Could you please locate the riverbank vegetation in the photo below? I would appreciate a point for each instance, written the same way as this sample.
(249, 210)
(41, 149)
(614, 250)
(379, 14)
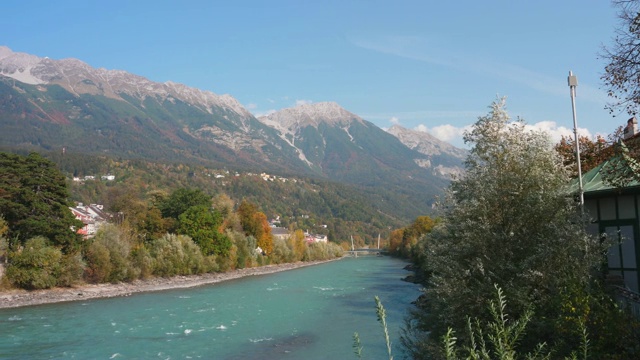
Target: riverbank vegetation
(182, 232)
(509, 222)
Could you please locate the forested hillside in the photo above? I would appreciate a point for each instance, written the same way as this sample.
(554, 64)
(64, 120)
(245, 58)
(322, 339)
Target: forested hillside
(301, 203)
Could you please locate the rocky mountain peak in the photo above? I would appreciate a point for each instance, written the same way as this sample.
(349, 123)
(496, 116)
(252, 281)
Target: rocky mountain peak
(80, 78)
(424, 142)
(310, 114)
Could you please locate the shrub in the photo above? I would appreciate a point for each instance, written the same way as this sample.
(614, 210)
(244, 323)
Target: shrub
(98, 263)
(509, 220)
(141, 261)
(176, 255)
(245, 249)
(281, 253)
(71, 270)
(35, 266)
(108, 256)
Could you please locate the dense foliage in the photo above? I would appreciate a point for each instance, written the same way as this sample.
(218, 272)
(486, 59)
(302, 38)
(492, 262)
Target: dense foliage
(34, 201)
(301, 203)
(592, 152)
(154, 232)
(509, 222)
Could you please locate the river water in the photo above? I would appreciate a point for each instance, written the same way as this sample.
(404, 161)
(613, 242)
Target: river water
(306, 313)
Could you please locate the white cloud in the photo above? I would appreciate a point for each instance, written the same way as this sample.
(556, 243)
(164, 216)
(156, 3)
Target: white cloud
(454, 134)
(251, 106)
(556, 132)
(303, 102)
(394, 120)
(449, 133)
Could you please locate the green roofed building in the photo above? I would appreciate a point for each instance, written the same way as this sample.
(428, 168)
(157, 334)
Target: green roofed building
(615, 212)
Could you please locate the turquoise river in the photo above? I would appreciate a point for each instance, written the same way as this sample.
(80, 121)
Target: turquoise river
(306, 313)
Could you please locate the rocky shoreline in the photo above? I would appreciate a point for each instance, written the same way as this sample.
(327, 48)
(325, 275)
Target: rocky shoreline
(20, 298)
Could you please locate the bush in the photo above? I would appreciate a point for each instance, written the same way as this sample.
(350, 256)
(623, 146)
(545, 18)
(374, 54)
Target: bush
(176, 255)
(509, 220)
(281, 253)
(35, 266)
(98, 263)
(71, 270)
(141, 261)
(323, 251)
(108, 256)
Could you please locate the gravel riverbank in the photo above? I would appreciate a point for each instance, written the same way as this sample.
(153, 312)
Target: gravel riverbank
(19, 298)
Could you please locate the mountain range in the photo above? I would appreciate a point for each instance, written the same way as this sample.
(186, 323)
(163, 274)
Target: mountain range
(48, 104)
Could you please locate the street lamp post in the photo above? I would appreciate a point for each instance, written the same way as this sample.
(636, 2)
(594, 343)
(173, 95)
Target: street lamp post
(573, 83)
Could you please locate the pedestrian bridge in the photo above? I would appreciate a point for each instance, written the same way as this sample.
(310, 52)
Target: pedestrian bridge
(364, 252)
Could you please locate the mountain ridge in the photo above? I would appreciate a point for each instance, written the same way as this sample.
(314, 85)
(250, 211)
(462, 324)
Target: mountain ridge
(444, 158)
(47, 104)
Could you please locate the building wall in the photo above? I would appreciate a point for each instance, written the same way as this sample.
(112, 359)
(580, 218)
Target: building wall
(615, 218)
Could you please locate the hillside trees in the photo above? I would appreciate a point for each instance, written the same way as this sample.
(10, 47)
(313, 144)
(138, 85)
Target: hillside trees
(34, 201)
(508, 222)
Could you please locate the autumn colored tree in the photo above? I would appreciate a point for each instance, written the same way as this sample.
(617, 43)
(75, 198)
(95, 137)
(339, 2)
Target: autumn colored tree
(592, 152)
(263, 235)
(297, 244)
(395, 240)
(402, 241)
(254, 223)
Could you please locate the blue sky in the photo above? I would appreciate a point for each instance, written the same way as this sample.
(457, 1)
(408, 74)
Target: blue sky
(429, 65)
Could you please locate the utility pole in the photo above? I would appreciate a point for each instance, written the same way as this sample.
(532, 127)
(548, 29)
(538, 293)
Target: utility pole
(573, 83)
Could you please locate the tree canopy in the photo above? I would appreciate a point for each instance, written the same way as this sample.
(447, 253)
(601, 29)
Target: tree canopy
(509, 222)
(201, 223)
(34, 201)
(182, 199)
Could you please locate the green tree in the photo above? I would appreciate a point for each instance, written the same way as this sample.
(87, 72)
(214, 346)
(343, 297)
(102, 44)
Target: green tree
(508, 221)
(182, 199)
(34, 200)
(202, 224)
